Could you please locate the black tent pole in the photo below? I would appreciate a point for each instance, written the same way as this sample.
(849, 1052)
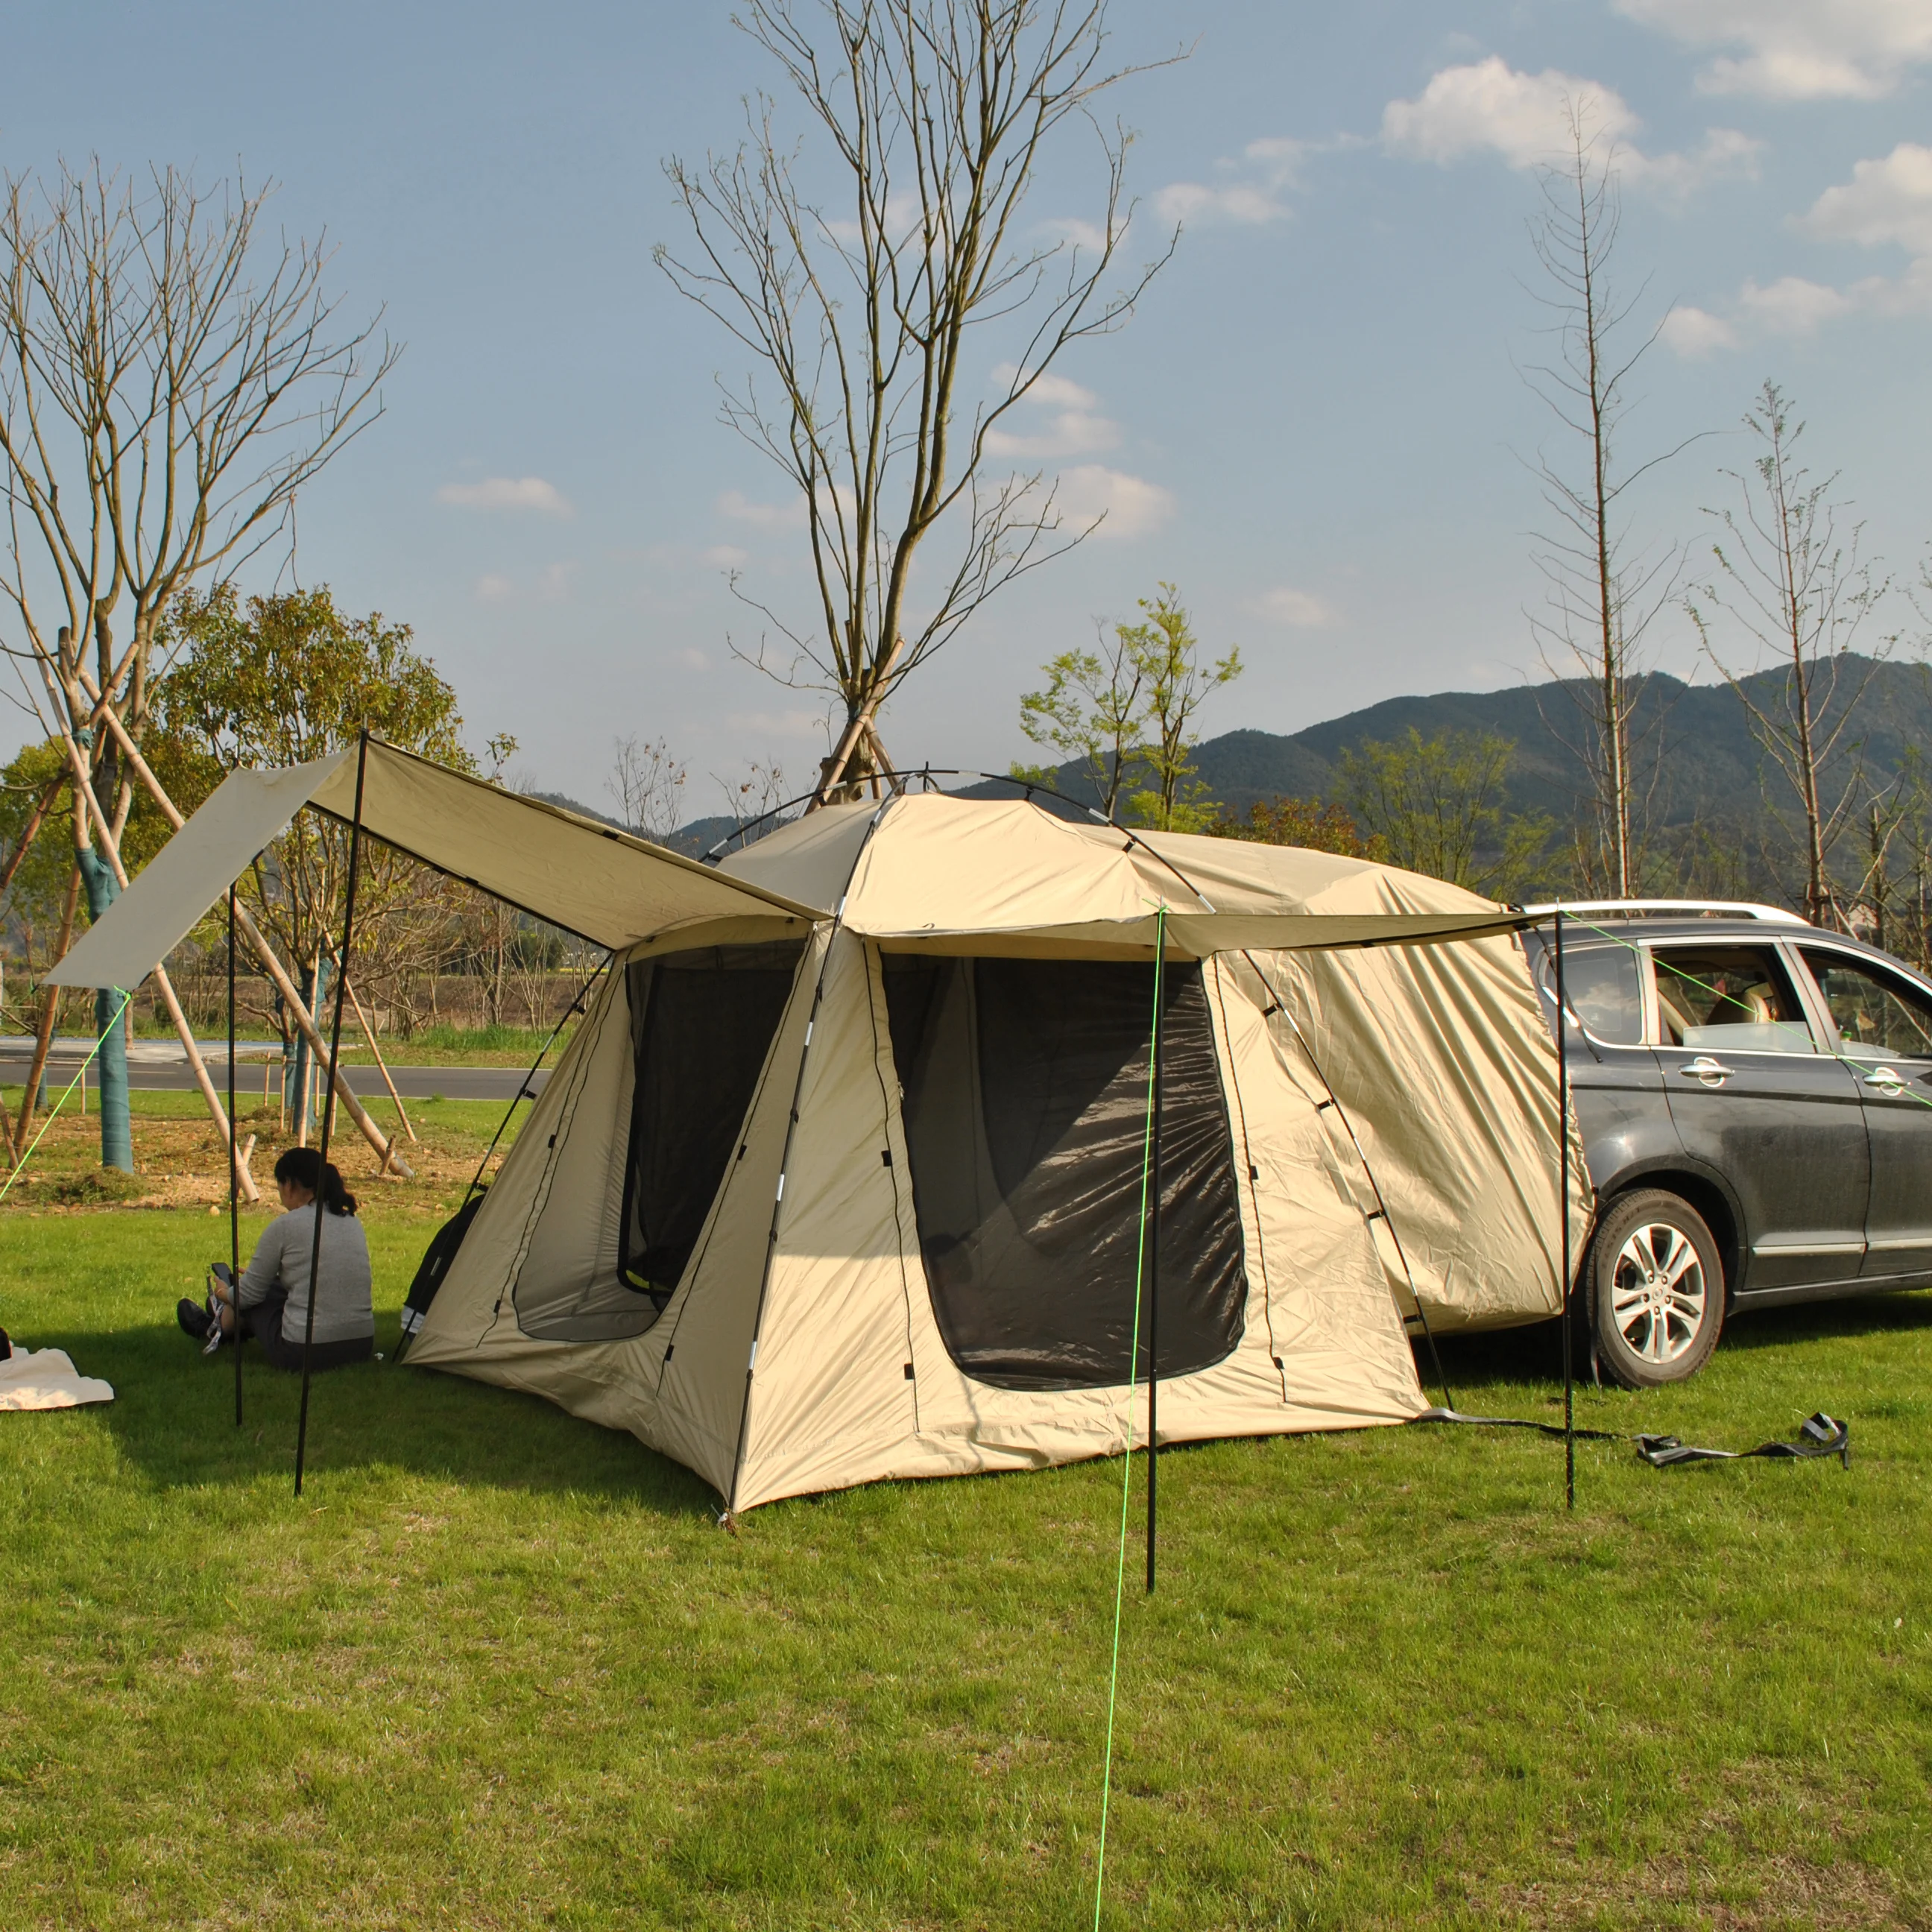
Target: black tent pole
(234, 1173)
(328, 1102)
(1563, 1170)
(1153, 1255)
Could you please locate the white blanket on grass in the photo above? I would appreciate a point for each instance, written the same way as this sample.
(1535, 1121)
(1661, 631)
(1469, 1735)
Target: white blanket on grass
(46, 1378)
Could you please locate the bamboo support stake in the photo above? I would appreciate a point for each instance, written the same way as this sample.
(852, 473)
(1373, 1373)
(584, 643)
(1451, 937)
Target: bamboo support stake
(50, 1017)
(382, 1065)
(244, 920)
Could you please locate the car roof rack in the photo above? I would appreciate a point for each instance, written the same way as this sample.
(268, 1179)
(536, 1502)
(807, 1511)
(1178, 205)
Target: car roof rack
(1673, 909)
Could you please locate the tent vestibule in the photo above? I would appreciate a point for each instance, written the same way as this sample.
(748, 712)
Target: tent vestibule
(803, 1212)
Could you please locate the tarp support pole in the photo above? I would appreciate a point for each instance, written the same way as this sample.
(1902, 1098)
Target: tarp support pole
(234, 1177)
(329, 1113)
(1563, 1172)
(1154, 1045)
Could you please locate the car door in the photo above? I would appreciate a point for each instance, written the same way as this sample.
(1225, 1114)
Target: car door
(1754, 1096)
(1884, 1027)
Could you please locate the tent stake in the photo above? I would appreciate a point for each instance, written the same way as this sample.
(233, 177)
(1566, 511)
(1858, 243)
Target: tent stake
(234, 1175)
(1153, 1255)
(1563, 1170)
(329, 1113)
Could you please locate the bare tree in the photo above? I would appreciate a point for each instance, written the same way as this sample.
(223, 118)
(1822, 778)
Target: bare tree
(1603, 594)
(169, 378)
(1786, 579)
(647, 784)
(931, 116)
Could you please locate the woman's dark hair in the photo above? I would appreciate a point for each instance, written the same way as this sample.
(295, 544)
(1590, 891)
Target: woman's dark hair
(304, 1166)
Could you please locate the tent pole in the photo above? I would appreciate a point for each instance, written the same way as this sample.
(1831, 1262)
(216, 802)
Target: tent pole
(329, 1113)
(1563, 1170)
(1153, 1255)
(234, 1172)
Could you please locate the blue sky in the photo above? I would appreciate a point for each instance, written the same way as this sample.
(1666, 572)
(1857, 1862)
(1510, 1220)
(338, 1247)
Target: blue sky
(1315, 424)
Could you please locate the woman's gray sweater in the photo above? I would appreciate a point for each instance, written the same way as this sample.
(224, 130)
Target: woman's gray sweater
(342, 1309)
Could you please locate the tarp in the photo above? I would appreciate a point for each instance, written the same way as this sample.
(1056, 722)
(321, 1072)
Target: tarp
(590, 879)
(46, 1378)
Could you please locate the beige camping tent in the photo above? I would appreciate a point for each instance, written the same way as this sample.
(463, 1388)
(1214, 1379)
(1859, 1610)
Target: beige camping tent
(840, 1176)
(808, 1205)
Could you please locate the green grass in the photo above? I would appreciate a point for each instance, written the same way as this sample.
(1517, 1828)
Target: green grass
(500, 1668)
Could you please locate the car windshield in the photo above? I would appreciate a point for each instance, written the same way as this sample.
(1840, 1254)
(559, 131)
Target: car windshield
(1734, 999)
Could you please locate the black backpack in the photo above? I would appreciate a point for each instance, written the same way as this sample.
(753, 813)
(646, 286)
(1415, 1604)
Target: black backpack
(437, 1258)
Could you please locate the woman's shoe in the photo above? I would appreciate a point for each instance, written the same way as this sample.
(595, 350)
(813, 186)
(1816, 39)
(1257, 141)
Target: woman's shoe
(195, 1320)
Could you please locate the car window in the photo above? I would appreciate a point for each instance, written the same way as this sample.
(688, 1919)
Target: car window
(1878, 1017)
(1604, 991)
(1732, 999)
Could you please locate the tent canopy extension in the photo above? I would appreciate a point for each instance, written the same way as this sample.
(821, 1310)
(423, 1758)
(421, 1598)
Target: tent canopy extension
(839, 1177)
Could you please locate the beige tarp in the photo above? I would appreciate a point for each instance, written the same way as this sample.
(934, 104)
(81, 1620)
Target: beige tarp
(590, 879)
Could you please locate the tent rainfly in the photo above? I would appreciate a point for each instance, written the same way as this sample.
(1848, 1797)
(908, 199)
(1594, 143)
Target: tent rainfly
(839, 1178)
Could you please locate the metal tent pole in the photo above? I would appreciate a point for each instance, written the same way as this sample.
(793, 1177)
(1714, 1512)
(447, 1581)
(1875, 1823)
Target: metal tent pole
(234, 1173)
(329, 1113)
(1153, 1258)
(1563, 1171)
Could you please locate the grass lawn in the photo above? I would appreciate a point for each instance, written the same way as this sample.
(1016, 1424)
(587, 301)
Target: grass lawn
(499, 1668)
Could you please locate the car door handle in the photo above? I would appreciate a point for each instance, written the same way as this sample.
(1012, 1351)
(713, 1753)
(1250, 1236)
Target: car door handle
(1885, 1080)
(1712, 1072)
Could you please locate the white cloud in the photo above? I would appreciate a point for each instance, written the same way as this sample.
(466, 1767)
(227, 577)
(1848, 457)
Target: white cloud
(725, 556)
(494, 590)
(1797, 49)
(1300, 609)
(691, 661)
(1487, 104)
(1886, 202)
(1488, 107)
(1252, 192)
(1791, 305)
(735, 504)
(554, 586)
(507, 493)
(1132, 507)
(1078, 430)
(1695, 333)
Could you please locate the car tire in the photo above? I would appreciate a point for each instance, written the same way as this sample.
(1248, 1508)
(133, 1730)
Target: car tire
(1656, 1289)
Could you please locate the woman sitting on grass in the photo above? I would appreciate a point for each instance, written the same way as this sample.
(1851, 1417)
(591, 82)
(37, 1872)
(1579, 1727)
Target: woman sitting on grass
(274, 1293)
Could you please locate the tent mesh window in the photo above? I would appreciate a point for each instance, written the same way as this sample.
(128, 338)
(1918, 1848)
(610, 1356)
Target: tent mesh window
(1024, 1085)
(702, 1023)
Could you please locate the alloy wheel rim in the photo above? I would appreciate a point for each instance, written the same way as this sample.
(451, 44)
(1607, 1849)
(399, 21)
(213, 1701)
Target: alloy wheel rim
(1658, 1293)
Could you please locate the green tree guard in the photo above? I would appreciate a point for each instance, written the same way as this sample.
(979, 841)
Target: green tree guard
(117, 1136)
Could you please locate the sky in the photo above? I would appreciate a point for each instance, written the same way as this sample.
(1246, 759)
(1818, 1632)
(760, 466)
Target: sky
(1316, 424)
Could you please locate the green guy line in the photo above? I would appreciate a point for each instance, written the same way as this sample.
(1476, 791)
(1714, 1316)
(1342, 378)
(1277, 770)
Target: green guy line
(1127, 1462)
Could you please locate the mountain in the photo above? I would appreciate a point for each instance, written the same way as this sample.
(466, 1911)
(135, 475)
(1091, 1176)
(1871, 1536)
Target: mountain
(1709, 771)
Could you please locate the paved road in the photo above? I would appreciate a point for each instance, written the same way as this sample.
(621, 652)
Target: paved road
(161, 1066)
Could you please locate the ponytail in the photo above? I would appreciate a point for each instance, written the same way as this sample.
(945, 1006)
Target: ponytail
(306, 1169)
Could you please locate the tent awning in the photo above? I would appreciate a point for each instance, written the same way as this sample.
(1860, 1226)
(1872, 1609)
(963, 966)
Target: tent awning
(592, 880)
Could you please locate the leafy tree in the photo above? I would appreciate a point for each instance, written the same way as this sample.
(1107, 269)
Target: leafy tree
(1437, 806)
(1166, 654)
(1307, 823)
(1089, 709)
(279, 680)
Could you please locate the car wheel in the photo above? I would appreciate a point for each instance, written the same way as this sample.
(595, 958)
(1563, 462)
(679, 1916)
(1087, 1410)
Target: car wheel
(1658, 1289)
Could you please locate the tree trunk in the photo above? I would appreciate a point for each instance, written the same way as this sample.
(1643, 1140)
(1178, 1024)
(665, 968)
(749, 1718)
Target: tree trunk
(50, 1018)
(117, 1139)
